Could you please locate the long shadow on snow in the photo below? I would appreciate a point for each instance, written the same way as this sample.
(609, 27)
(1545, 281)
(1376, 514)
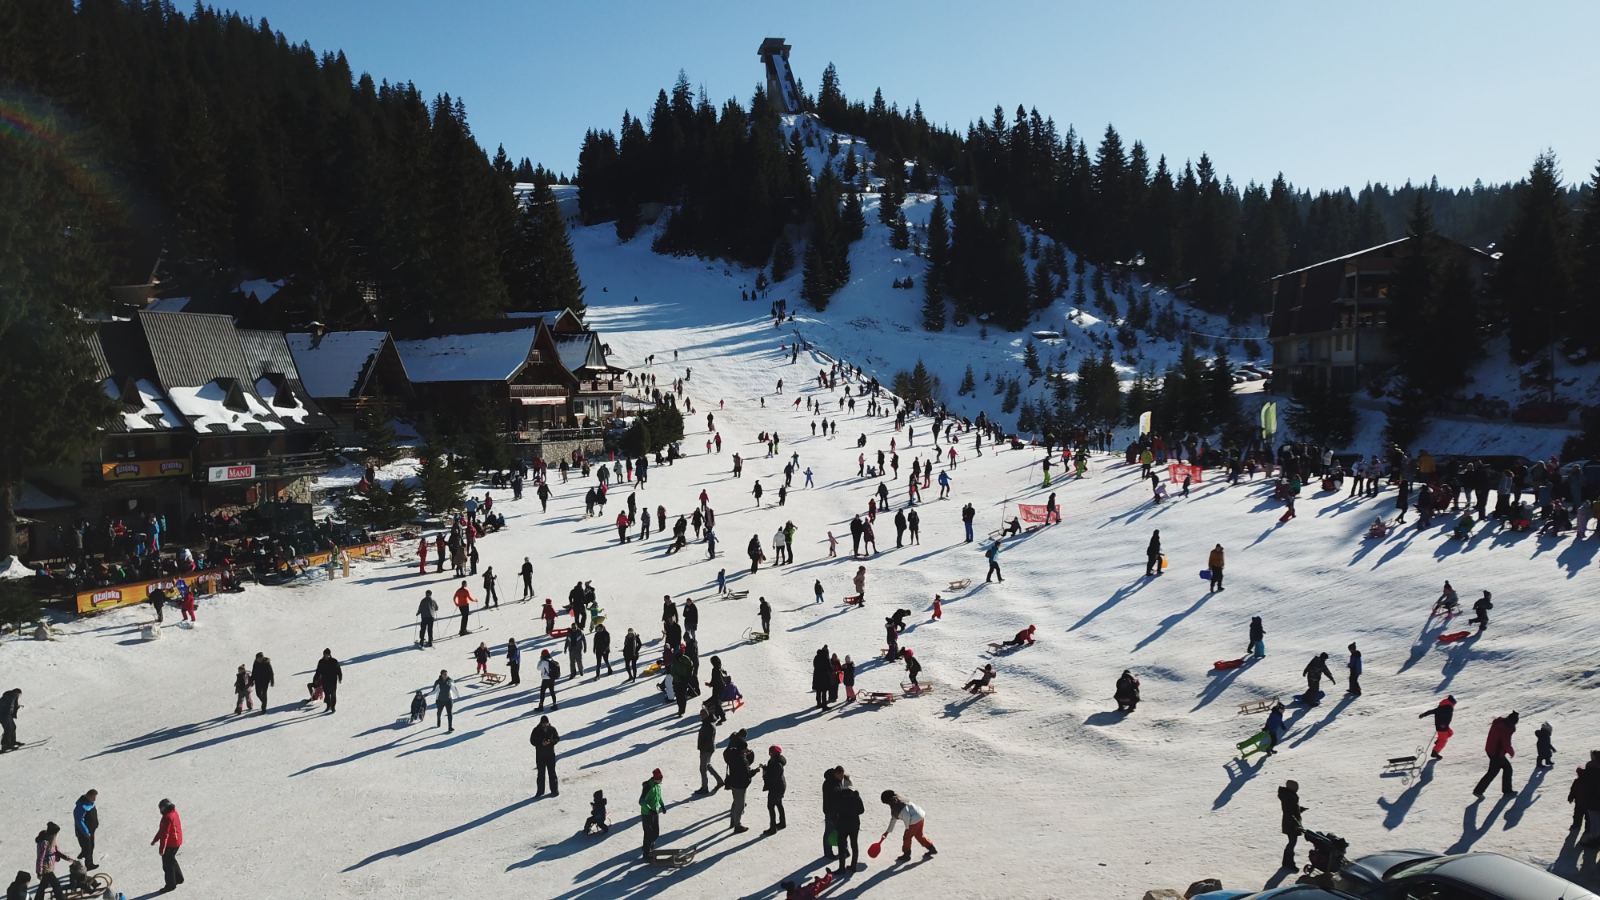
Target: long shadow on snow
(1395, 810)
(402, 740)
(1333, 713)
(1577, 555)
(430, 840)
(1169, 621)
(222, 739)
(1121, 594)
(162, 735)
(1525, 798)
(1220, 680)
(1426, 640)
(1471, 829)
(1240, 771)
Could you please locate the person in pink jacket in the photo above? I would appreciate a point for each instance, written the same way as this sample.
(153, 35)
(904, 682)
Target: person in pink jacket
(168, 839)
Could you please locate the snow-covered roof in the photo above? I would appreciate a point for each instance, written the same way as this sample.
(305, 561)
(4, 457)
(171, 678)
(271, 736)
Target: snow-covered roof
(573, 349)
(481, 356)
(13, 568)
(33, 498)
(260, 288)
(286, 404)
(334, 365)
(154, 412)
(207, 409)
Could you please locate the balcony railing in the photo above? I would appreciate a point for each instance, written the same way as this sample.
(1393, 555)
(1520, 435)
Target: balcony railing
(537, 390)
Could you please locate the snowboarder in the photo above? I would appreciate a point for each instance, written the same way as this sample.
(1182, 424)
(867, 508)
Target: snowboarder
(1499, 750)
(1442, 714)
(544, 738)
(902, 811)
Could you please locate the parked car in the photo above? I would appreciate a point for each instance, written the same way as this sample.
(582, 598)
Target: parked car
(1249, 374)
(1263, 371)
(1289, 892)
(1405, 874)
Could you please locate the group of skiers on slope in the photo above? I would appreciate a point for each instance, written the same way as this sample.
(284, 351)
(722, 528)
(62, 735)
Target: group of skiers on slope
(168, 841)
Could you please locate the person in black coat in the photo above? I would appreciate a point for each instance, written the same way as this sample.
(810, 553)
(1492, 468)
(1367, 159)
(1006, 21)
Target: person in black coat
(691, 615)
(544, 739)
(707, 744)
(1442, 715)
(1152, 554)
(602, 650)
(1316, 670)
(328, 675)
(846, 818)
(821, 677)
(736, 758)
(631, 645)
(261, 675)
(772, 781)
(1289, 801)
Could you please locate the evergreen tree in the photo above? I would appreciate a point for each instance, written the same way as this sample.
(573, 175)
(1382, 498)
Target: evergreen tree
(782, 260)
(1044, 291)
(440, 482)
(1534, 280)
(1224, 405)
(1585, 330)
(968, 385)
(1030, 359)
(543, 275)
(52, 276)
(1323, 416)
(900, 233)
(377, 438)
(851, 219)
(379, 507)
(1432, 311)
(1013, 393)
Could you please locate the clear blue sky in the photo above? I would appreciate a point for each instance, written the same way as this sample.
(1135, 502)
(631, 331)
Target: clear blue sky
(1329, 94)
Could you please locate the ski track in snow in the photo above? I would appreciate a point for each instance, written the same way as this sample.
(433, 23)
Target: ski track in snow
(1039, 790)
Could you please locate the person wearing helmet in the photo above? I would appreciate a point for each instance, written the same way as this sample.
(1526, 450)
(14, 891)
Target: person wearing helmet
(909, 813)
(773, 783)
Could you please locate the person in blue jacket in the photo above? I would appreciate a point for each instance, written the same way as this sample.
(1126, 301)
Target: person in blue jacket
(1275, 728)
(85, 822)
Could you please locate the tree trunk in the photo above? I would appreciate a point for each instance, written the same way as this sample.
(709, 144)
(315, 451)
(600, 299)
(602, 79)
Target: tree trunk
(8, 516)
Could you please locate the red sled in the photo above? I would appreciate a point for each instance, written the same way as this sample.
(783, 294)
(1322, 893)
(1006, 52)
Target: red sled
(1453, 636)
(852, 601)
(559, 632)
(1223, 665)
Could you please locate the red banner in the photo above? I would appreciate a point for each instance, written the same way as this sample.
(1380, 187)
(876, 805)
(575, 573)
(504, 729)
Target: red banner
(1176, 471)
(1032, 513)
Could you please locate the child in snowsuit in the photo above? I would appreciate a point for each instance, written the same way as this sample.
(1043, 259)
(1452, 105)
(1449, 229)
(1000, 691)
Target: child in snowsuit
(241, 691)
(1541, 737)
(597, 814)
(419, 706)
(482, 656)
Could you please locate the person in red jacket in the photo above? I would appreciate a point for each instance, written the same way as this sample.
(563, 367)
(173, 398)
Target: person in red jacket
(1499, 749)
(169, 837)
(463, 601)
(422, 556)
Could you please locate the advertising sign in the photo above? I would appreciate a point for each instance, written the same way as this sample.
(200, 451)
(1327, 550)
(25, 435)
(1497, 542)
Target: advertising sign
(136, 469)
(231, 473)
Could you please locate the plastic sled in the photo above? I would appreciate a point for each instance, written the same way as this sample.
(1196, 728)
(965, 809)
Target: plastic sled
(1303, 700)
(1205, 574)
(1259, 742)
(673, 858)
(1453, 636)
(853, 600)
(559, 632)
(1223, 665)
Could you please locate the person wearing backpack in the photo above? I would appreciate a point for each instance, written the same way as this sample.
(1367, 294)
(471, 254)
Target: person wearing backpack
(549, 671)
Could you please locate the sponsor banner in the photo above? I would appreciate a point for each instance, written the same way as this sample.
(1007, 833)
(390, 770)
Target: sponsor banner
(1176, 471)
(102, 599)
(136, 469)
(230, 473)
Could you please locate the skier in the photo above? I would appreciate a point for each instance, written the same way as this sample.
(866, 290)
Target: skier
(544, 738)
(444, 701)
(85, 822)
(1215, 562)
(1152, 554)
(1258, 634)
(490, 598)
(1442, 714)
(1289, 801)
(1499, 750)
(1127, 692)
(328, 675)
(772, 781)
(902, 811)
(463, 601)
(168, 840)
(651, 806)
(425, 613)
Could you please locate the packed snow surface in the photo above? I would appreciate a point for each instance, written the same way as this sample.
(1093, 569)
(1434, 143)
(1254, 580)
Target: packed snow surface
(1039, 790)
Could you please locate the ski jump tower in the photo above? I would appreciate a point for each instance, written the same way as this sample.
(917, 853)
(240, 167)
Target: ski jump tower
(780, 80)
